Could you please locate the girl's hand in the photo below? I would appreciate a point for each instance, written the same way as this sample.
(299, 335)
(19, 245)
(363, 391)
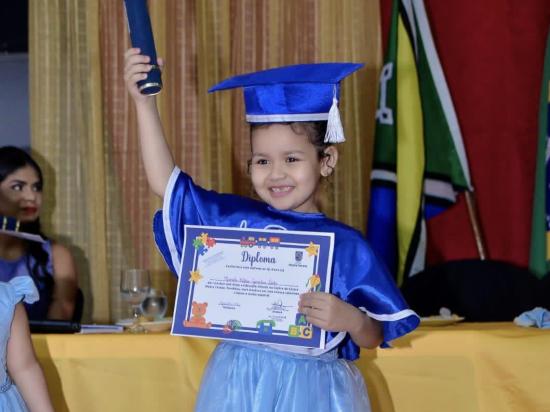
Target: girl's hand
(136, 67)
(330, 313)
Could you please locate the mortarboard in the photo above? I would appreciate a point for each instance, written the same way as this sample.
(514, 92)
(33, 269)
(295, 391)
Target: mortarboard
(10, 226)
(297, 93)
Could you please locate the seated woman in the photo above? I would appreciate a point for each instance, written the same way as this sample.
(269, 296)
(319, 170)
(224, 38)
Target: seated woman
(50, 264)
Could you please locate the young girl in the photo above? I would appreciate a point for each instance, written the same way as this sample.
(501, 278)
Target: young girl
(22, 384)
(292, 109)
(50, 264)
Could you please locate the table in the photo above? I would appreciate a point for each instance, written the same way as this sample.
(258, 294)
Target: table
(463, 367)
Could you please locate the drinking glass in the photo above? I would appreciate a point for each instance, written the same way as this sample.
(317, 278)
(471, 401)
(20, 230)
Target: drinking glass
(155, 304)
(134, 286)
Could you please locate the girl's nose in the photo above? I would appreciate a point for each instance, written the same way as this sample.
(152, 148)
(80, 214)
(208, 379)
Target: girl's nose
(277, 171)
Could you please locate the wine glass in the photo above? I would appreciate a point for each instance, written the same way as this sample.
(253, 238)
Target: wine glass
(155, 304)
(134, 286)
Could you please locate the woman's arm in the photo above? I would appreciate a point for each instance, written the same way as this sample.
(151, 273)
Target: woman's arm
(328, 312)
(156, 155)
(23, 367)
(65, 284)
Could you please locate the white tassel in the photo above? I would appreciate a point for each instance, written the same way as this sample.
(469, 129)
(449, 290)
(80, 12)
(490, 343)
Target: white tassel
(335, 131)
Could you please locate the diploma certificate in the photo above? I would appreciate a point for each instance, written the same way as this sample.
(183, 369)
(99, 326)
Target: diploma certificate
(244, 284)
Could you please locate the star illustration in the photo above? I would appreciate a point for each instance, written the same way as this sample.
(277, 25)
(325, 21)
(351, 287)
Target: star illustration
(312, 249)
(204, 238)
(314, 281)
(195, 276)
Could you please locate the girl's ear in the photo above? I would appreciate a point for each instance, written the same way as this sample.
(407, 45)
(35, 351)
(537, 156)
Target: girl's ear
(329, 160)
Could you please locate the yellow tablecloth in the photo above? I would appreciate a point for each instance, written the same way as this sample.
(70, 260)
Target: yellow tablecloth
(464, 367)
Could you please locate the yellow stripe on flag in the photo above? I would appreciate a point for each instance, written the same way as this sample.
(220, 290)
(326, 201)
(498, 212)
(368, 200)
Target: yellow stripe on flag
(410, 147)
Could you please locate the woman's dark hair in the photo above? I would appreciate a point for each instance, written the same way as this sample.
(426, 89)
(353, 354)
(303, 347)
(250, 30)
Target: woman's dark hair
(12, 159)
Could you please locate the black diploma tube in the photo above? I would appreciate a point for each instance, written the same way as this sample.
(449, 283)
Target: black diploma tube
(141, 34)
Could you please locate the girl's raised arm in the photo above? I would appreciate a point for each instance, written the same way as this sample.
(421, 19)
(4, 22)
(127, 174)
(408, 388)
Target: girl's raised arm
(23, 367)
(157, 157)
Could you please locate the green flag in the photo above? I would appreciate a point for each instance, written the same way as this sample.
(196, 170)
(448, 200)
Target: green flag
(419, 157)
(540, 232)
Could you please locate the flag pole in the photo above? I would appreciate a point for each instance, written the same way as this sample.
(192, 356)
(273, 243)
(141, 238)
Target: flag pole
(474, 220)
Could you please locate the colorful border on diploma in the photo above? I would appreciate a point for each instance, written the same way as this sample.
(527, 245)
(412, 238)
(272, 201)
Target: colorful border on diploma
(199, 239)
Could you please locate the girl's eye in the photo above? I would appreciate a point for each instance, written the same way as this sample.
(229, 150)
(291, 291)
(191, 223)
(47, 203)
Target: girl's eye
(291, 159)
(17, 187)
(261, 162)
(37, 187)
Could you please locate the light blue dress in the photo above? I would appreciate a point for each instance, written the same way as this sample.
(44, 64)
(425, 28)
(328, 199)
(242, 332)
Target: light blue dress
(269, 378)
(43, 280)
(18, 289)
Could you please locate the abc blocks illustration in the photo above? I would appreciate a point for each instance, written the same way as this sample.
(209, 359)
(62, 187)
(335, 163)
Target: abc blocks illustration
(297, 331)
(301, 319)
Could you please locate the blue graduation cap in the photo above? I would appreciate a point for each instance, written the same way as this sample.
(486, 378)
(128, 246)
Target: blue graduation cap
(10, 226)
(297, 93)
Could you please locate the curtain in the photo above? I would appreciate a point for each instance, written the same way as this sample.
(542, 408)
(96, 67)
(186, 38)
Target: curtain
(67, 137)
(84, 126)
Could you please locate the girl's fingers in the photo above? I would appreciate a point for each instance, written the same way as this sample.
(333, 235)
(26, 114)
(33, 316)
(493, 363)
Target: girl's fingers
(314, 316)
(138, 60)
(138, 72)
(137, 77)
(313, 312)
(138, 63)
(312, 299)
(131, 51)
(316, 313)
(315, 295)
(135, 59)
(138, 68)
(320, 323)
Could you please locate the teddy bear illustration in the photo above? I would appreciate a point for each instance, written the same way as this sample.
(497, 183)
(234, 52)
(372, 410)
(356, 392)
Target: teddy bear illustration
(197, 316)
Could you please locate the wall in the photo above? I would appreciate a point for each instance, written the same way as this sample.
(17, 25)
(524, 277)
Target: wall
(14, 100)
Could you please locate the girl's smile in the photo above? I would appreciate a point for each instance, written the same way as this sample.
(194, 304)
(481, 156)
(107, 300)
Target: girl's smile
(279, 191)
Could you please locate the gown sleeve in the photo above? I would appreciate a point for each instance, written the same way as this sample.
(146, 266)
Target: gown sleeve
(368, 286)
(184, 203)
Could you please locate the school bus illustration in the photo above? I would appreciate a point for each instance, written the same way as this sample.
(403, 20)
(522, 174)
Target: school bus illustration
(262, 242)
(248, 241)
(274, 241)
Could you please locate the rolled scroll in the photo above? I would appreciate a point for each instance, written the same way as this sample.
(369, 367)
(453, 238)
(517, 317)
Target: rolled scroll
(141, 35)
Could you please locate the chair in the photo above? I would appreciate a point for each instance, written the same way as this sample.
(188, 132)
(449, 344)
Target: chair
(78, 306)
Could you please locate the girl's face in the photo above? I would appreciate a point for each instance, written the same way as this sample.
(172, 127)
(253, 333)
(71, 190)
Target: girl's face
(21, 194)
(285, 168)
